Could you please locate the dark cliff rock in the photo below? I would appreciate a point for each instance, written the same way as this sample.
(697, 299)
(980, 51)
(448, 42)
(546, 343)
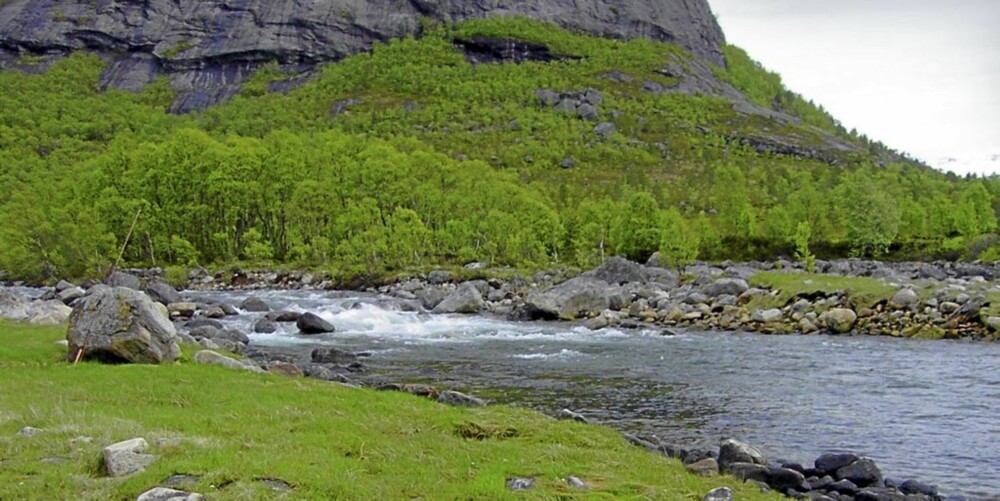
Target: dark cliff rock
(208, 47)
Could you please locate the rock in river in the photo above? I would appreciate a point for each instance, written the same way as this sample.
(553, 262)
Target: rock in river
(311, 323)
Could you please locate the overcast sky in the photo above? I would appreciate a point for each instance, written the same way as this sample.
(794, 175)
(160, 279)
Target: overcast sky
(922, 76)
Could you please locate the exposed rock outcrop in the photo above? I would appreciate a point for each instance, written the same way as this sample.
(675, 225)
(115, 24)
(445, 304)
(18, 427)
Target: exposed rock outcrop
(208, 48)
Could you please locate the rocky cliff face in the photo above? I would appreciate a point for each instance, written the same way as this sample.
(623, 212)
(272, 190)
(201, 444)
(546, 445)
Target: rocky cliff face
(207, 47)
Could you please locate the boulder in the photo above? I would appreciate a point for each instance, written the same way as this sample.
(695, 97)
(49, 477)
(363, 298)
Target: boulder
(905, 298)
(254, 304)
(49, 313)
(163, 293)
(67, 296)
(829, 463)
(575, 298)
(918, 487)
(167, 494)
(863, 473)
(618, 271)
(311, 323)
(460, 399)
(430, 297)
(208, 357)
(284, 316)
(839, 320)
(747, 471)
(781, 479)
(727, 286)
(466, 299)
(767, 316)
(120, 325)
(13, 306)
(733, 451)
(182, 309)
(265, 326)
(333, 356)
(126, 458)
(704, 468)
(124, 280)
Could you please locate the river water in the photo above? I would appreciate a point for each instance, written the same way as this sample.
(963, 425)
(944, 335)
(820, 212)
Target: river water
(922, 409)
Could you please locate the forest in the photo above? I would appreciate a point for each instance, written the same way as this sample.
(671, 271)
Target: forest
(410, 157)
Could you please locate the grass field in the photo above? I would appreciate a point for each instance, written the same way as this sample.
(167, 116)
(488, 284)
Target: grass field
(233, 429)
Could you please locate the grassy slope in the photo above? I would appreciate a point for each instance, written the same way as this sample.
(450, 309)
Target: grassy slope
(862, 292)
(325, 440)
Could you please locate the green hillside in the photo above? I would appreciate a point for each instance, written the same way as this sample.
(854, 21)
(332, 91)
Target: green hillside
(410, 156)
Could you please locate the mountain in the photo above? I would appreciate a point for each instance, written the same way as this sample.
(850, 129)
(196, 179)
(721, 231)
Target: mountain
(207, 48)
(381, 138)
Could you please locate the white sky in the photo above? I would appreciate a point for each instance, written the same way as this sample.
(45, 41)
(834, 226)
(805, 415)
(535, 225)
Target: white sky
(922, 76)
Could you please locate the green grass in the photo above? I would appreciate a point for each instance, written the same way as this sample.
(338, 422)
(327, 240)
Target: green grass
(861, 292)
(327, 441)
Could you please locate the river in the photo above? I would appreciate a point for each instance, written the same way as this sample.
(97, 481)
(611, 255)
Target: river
(922, 409)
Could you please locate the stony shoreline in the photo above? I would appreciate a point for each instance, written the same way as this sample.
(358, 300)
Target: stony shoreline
(940, 300)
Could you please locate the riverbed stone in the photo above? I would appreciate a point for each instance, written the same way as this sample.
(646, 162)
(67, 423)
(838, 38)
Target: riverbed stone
(163, 292)
(332, 356)
(576, 298)
(767, 316)
(733, 451)
(704, 468)
(124, 280)
(747, 471)
(784, 478)
(466, 299)
(829, 463)
(904, 298)
(167, 494)
(67, 296)
(182, 309)
(311, 323)
(457, 399)
(265, 326)
(863, 473)
(126, 458)
(727, 286)
(839, 320)
(254, 304)
(918, 487)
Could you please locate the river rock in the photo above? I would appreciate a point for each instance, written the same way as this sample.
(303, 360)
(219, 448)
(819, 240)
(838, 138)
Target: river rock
(163, 293)
(254, 304)
(839, 320)
(466, 299)
(182, 310)
(905, 298)
(167, 494)
(733, 451)
(618, 270)
(208, 357)
(829, 463)
(284, 316)
(333, 356)
(747, 471)
(126, 458)
(863, 473)
(125, 280)
(52, 312)
(575, 298)
(67, 296)
(265, 326)
(13, 306)
(311, 323)
(781, 479)
(843, 487)
(720, 494)
(727, 286)
(918, 487)
(767, 316)
(460, 399)
(704, 468)
(121, 325)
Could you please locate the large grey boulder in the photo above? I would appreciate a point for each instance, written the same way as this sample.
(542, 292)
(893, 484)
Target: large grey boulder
(311, 323)
(466, 299)
(119, 325)
(13, 306)
(208, 47)
(839, 320)
(727, 286)
(575, 298)
(126, 458)
(122, 279)
(52, 312)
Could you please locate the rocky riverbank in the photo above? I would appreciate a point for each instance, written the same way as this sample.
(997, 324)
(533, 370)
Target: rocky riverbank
(922, 300)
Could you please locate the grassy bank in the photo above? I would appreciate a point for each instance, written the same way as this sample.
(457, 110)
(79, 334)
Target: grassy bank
(233, 429)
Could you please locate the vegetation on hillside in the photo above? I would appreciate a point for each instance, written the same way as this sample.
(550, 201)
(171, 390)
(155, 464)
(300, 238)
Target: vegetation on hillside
(410, 156)
(229, 431)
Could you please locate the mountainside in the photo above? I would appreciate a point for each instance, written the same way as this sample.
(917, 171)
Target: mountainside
(502, 140)
(209, 47)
